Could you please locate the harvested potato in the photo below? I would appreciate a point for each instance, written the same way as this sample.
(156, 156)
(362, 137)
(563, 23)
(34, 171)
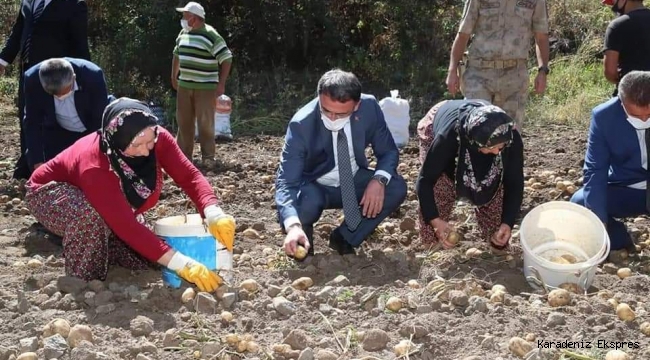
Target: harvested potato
(34, 264)
(188, 295)
(645, 328)
(300, 252)
(57, 326)
(617, 355)
(242, 346)
(559, 297)
(473, 253)
(232, 339)
(564, 259)
(497, 297)
(571, 189)
(531, 337)
(249, 285)
(570, 258)
(624, 312)
(252, 347)
(613, 302)
(394, 304)
(499, 288)
(519, 346)
(571, 287)
(226, 316)
(80, 333)
(605, 294)
(281, 348)
(413, 284)
(250, 233)
(404, 347)
(622, 272)
(453, 238)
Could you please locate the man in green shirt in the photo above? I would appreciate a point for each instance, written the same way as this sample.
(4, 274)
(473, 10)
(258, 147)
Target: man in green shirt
(200, 69)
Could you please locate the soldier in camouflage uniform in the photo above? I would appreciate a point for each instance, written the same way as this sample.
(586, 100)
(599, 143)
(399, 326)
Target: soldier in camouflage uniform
(496, 65)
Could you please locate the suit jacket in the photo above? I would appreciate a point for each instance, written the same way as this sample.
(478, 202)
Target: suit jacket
(61, 30)
(44, 136)
(308, 152)
(613, 155)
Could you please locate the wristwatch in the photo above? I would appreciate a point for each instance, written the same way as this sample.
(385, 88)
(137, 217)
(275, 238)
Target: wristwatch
(544, 68)
(382, 179)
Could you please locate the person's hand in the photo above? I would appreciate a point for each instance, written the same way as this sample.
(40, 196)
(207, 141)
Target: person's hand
(373, 199)
(221, 89)
(194, 272)
(295, 235)
(442, 230)
(221, 226)
(540, 82)
(2, 69)
(502, 236)
(174, 83)
(453, 81)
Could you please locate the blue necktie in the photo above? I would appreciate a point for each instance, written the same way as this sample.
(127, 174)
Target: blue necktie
(35, 16)
(348, 193)
(647, 151)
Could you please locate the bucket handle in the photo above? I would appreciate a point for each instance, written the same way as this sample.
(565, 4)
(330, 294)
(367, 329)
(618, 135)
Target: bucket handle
(189, 202)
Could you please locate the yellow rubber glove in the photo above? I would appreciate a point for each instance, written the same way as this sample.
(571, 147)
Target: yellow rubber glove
(195, 272)
(221, 226)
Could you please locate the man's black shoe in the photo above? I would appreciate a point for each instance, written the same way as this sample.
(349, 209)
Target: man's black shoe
(338, 243)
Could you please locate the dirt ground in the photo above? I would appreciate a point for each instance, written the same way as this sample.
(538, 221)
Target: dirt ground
(446, 306)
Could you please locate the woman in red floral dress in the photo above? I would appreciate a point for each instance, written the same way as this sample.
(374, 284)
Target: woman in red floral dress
(93, 195)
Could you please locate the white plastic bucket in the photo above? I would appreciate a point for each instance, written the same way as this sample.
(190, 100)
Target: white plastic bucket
(193, 239)
(558, 227)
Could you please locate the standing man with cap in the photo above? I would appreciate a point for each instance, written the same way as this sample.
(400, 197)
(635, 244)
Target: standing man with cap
(496, 68)
(44, 29)
(200, 69)
(627, 40)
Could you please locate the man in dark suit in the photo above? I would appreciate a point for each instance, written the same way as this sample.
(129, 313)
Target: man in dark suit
(64, 101)
(44, 29)
(323, 166)
(616, 162)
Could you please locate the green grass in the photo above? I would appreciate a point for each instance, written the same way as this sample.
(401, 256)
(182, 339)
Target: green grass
(8, 86)
(574, 87)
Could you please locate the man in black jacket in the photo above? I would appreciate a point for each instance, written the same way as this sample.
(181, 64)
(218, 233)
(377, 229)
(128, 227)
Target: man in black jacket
(44, 29)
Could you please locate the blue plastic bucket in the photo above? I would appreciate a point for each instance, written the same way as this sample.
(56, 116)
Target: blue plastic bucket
(190, 238)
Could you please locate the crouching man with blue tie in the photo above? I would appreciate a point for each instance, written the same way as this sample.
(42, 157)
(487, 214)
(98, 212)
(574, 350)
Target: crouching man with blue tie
(616, 162)
(323, 166)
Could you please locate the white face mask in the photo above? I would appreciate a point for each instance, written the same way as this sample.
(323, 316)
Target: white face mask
(185, 25)
(638, 123)
(334, 125)
(635, 121)
(63, 97)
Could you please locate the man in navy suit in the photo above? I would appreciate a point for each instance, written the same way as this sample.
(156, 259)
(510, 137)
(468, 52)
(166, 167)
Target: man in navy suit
(64, 101)
(43, 29)
(323, 166)
(616, 163)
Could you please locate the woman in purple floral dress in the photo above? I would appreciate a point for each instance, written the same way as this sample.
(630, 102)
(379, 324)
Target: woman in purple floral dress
(469, 149)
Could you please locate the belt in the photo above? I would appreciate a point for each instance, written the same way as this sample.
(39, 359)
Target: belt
(496, 64)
